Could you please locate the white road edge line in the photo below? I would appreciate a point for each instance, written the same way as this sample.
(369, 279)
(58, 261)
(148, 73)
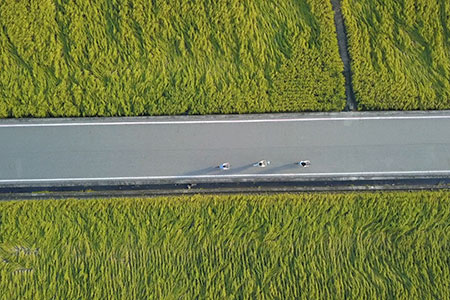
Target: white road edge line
(352, 174)
(222, 121)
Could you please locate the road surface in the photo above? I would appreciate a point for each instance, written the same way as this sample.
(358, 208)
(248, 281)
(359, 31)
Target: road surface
(340, 146)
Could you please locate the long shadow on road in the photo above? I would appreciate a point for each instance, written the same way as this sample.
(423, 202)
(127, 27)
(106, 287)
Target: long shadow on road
(217, 171)
(204, 171)
(241, 170)
(280, 169)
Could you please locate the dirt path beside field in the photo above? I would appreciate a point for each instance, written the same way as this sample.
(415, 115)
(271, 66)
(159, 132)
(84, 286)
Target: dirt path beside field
(343, 52)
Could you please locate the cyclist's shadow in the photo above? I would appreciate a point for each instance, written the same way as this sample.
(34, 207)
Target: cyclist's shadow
(205, 171)
(218, 171)
(276, 170)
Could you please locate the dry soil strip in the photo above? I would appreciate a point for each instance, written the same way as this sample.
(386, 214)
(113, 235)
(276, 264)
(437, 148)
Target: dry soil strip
(343, 52)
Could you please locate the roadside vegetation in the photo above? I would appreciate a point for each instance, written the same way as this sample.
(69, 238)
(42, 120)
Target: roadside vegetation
(286, 246)
(400, 51)
(139, 57)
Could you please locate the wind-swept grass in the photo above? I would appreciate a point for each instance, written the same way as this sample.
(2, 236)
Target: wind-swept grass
(304, 246)
(141, 57)
(400, 51)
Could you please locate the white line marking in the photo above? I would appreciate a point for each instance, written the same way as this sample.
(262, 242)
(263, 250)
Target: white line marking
(222, 121)
(343, 174)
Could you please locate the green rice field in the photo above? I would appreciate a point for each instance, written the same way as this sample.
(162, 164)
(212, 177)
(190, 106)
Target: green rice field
(139, 57)
(285, 246)
(400, 51)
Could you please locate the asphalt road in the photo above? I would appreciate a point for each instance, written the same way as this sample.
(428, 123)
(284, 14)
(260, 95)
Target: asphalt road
(340, 146)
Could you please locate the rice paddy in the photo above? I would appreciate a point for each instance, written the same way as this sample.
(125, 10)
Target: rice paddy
(400, 51)
(286, 246)
(138, 57)
(132, 58)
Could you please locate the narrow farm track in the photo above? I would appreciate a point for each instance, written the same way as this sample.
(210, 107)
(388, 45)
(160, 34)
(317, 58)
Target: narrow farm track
(343, 52)
(352, 147)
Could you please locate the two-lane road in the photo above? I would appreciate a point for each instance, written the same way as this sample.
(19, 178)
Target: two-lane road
(187, 149)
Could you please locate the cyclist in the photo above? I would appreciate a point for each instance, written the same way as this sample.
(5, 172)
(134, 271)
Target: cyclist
(262, 163)
(304, 163)
(225, 166)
